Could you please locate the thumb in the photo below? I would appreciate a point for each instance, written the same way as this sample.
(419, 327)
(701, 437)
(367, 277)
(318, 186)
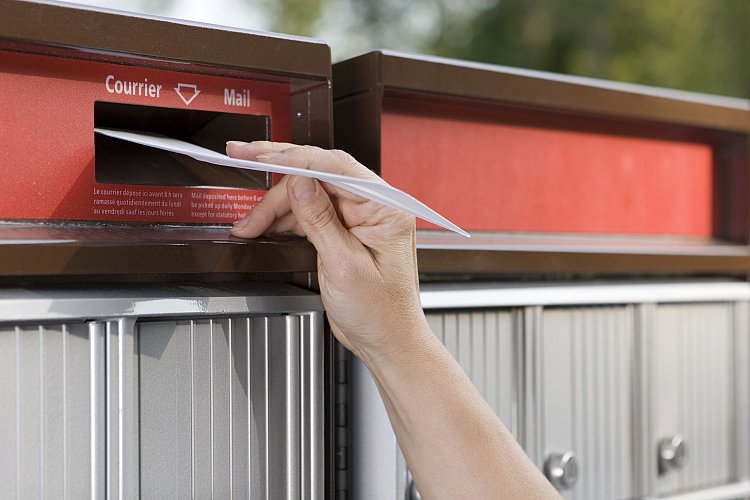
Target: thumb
(316, 216)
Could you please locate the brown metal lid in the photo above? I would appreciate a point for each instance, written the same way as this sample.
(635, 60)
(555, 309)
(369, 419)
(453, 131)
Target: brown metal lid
(435, 76)
(94, 29)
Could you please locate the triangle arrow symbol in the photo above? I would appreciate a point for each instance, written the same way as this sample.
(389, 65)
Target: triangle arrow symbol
(187, 92)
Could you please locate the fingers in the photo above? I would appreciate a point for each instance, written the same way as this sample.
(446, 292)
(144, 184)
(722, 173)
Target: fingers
(319, 221)
(309, 157)
(260, 219)
(250, 150)
(272, 214)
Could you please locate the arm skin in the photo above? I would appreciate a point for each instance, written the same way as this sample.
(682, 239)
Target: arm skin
(454, 444)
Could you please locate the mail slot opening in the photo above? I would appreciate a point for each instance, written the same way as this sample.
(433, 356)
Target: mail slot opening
(121, 162)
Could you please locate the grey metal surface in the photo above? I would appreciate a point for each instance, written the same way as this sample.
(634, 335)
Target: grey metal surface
(221, 408)
(47, 434)
(378, 469)
(583, 384)
(21, 305)
(693, 392)
(484, 344)
(485, 295)
(741, 349)
(588, 378)
(164, 407)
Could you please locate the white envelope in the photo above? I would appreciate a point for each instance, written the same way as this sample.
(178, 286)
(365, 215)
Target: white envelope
(380, 192)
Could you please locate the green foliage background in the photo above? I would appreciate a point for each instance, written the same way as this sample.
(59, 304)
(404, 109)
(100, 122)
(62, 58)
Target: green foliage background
(700, 45)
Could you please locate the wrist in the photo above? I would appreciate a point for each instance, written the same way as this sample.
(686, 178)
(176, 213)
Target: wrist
(403, 344)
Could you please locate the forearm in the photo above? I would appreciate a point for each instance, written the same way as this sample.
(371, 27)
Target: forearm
(456, 447)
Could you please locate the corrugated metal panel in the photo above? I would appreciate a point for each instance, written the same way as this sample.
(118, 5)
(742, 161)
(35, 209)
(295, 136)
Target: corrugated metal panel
(164, 409)
(222, 411)
(484, 344)
(584, 390)
(742, 389)
(693, 391)
(47, 433)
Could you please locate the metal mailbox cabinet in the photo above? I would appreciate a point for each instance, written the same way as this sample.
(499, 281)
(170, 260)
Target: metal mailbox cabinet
(485, 344)
(145, 352)
(700, 368)
(613, 220)
(180, 392)
(581, 398)
(573, 371)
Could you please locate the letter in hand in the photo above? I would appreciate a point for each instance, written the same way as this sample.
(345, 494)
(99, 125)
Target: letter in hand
(366, 251)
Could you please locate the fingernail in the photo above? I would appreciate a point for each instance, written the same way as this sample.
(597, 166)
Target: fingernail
(303, 189)
(236, 143)
(267, 156)
(240, 223)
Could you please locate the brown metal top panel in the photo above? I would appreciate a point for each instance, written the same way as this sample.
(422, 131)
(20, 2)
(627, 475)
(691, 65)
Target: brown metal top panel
(442, 253)
(394, 72)
(56, 24)
(68, 250)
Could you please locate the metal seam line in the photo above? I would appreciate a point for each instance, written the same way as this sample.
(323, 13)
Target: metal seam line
(192, 410)
(250, 395)
(108, 410)
(18, 412)
(266, 382)
(211, 397)
(41, 409)
(120, 411)
(65, 410)
(230, 333)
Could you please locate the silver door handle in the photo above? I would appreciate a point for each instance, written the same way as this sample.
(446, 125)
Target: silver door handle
(562, 470)
(672, 453)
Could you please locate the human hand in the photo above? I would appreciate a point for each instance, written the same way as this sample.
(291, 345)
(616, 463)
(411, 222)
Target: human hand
(367, 264)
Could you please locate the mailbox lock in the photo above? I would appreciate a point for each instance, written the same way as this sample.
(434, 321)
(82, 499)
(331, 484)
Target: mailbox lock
(672, 453)
(562, 470)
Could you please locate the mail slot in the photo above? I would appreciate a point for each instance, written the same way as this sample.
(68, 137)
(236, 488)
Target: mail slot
(58, 81)
(120, 162)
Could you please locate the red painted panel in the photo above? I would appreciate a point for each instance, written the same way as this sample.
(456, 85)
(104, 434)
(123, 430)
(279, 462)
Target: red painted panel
(504, 176)
(47, 141)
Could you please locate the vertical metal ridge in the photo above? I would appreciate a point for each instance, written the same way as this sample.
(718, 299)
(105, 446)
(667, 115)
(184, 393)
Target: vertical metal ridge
(645, 395)
(740, 407)
(64, 436)
(685, 417)
(211, 402)
(98, 408)
(108, 415)
(536, 385)
(120, 411)
(267, 403)
(517, 360)
(292, 406)
(18, 412)
(40, 331)
(250, 396)
(613, 430)
(304, 407)
(316, 407)
(577, 366)
(128, 408)
(192, 408)
(230, 370)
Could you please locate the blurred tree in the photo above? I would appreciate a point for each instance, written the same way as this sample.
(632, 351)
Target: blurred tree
(298, 17)
(696, 45)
